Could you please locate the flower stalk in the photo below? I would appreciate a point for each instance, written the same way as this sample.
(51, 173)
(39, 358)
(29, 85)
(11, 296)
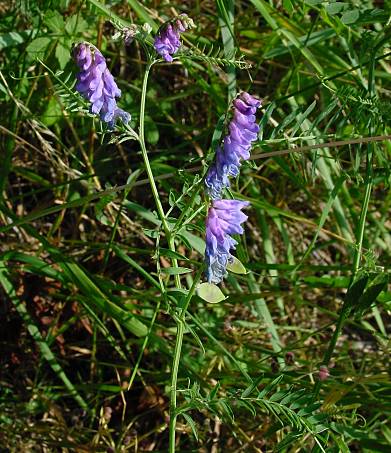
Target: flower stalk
(171, 245)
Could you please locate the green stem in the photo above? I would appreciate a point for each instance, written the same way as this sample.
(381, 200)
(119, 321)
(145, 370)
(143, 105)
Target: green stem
(147, 164)
(175, 363)
(159, 207)
(363, 216)
(171, 244)
(174, 380)
(179, 223)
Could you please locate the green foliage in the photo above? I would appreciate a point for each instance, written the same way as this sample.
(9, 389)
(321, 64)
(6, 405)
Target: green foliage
(110, 337)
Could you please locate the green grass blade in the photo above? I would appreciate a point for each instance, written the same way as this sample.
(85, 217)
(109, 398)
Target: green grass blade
(226, 21)
(143, 14)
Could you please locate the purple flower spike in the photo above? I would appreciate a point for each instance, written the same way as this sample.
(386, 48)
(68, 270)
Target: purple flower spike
(167, 41)
(96, 84)
(243, 130)
(224, 219)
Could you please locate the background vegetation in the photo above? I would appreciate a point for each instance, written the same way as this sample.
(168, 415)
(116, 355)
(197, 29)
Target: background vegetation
(296, 357)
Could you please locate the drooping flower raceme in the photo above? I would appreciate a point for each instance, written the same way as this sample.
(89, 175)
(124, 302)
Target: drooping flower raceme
(167, 41)
(236, 145)
(97, 85)
(224, 219)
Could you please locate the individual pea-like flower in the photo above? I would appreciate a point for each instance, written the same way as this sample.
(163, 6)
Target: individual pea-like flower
(224, 219)
(236, 145)
(167, 41)
(96, 84)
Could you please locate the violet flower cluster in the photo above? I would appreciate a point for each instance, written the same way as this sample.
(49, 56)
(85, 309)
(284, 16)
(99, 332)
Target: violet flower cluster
(96, 84)
(236, 145)
(167, 41)
(225, 217)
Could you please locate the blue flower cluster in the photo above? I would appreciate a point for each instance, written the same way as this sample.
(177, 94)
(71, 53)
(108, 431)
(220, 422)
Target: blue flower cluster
(97, 85)
(225, 216)
(167, 41)
(236, 145)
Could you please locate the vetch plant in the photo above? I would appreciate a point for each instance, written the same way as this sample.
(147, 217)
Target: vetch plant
(116, 247)
(225, 216)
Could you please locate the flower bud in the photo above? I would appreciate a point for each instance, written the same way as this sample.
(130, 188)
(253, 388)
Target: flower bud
(167, 41)
(323, 373)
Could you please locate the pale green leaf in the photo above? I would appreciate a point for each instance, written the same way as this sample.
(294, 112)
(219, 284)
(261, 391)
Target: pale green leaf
(210, 293)
(335, 8)
(350, 17)
(191, 423)
(236, 267)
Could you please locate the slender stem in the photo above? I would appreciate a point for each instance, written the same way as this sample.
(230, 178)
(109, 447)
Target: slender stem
(363, 216)
(178, 223)
(175, 362)
(174, 380)
(147, 164)
(369, 174)
(162, 216)
(171, 244)
(195, 214)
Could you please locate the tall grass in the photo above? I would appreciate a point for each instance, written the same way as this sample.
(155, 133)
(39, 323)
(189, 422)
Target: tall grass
(106, 342)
